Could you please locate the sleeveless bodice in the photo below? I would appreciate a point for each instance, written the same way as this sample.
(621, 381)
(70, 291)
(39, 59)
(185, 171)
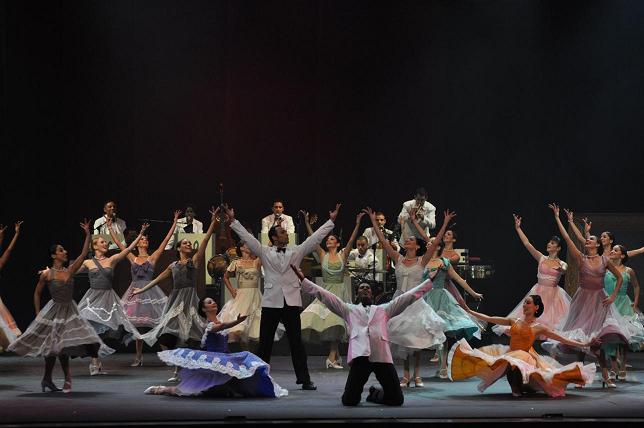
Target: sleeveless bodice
(99, 280)
(548, 276)
(216, 342)
(142, 272)
(590, 277)
(610, 281)
(183, 275)
(60, 291)
(522, 337)
(332, 272)
(441, 274)
(247, 277)
(407, 277)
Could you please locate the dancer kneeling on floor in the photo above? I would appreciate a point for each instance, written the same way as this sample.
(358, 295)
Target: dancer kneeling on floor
(214, 372)
(368, 344)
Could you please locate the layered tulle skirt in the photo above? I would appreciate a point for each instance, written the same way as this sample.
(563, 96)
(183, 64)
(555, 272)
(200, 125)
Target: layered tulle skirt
(635, 322)
(490, 363)
(59, 330)
(556, 304)
(103, 309)
(180, 318)
(204, 372)
(9, 331)
(319, 324)
(417, 327)
(145, 309)
(247, 302)
(458, 323)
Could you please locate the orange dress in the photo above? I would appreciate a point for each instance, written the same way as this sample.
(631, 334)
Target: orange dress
(490, 363)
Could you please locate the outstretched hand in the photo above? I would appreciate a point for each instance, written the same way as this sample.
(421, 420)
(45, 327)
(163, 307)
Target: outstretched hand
(177, 213)
(333, 214)
(229, 212)
(144, 227)
(371, 214)
(85, 226)
(449, 215)
(359, 217)
(241, 318)
(298, 272)
(587, 224)
(517, 221)
(555, 209)
(17, 226)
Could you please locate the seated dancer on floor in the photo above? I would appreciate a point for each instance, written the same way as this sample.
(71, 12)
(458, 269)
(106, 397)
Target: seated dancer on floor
(214, 372)
(549, 270)
(145, 310)
(8, 328)
(100, 305)
(369, 350)
(525, 370)
(59, 330)
(180, 322)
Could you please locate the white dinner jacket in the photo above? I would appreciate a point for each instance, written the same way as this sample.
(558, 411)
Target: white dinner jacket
(368, 333)
(287, 223)
(280, 282)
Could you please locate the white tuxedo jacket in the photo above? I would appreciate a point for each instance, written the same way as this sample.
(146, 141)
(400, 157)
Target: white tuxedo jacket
(280, 282)
(269, 221)
(368, 334)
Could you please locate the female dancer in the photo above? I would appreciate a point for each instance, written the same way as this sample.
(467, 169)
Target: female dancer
(144, 311)
(549, 271)
(448, 246)
(215, 372)
(607, 238)
(180, 322)
(418, 327)
(525, 370)
(8, 328)
(591, 314)
(101, 305)
(59, 330)
(626, 308)
(318, 323)
(247, 298)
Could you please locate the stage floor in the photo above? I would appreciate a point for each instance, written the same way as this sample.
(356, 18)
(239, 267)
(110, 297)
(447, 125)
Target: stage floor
(118, 397)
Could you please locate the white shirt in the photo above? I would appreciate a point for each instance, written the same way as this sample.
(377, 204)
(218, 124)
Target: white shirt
(372, 238)
(269, 221)
(367, 326)
(118, 226)
(428, 220)
(197, 227)
(366, 261)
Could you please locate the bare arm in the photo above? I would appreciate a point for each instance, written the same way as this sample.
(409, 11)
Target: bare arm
(120, 256)
(525, 241)
(486, 318)
(38, 291)
(311, 242)
(76, 264)
(224, 325)
(573, 226)
(7, 252)
(571, 245)
(393, 254)
(550, 334)
(163, 275)
(154, 256)
(352, 238)
(636, 288)
(318, 249)
(610, 299)
(460, 281)
(637, 252)
(117, 241)
(196, 259)
(449, 215)
(229, 285)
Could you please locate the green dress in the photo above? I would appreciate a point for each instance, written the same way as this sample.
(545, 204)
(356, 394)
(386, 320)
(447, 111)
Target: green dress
(319, 324)
(458, 324)
(623, 305)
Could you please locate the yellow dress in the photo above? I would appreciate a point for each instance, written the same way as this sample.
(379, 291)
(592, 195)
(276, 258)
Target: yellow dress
(490, 363)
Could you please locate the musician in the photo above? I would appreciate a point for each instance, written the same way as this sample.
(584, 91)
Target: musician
(425, 214)
(278, 218)
(118, 224)
(187, 224)
(364, 258)
(372, 238)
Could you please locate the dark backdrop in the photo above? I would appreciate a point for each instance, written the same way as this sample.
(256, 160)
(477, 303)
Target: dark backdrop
(494, 106)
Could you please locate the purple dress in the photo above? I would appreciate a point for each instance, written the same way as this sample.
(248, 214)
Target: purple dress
(587, 317)
(145, 309)
(214, 371)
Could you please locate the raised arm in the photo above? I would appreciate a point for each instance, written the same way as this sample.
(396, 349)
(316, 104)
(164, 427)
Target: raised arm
(575, 230)
(537, 255)
(121, 255)
(312, 241)
(637, 252)
(116, 240)
(486, 318)
(414, 220)
(163, 275)
(636, 289)
(42, 279)
(460, 281)
(196, 259)
(7, 252)
(449, 215)
(393, 254)
(2, 230)
(76, 264)
(318, 249)
(352, 238)
(251, 242)
(610, 299)
(572, 248)
(154, 256)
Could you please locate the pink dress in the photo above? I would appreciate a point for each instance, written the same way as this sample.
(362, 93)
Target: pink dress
(587, 317)
(556, 301)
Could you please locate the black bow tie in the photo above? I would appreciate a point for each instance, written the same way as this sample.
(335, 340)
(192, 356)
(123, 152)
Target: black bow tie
(361, 256)
(283, 250)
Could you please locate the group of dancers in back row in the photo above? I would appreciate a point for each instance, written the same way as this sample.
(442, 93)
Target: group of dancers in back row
(426, 312)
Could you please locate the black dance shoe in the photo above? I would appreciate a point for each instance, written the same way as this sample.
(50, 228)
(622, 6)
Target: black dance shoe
(309, 386)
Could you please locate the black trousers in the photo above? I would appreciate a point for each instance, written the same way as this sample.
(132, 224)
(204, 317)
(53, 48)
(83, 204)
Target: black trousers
(391, 394)
(290, 317)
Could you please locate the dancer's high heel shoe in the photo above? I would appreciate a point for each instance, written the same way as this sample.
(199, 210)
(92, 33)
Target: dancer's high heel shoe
(67, 387)
(332, 364)
(49, 384)
(608, 383)
(404, 382)
(138, 362)
(154, 390)
(418, 382)
(96, 369)
(442, 373)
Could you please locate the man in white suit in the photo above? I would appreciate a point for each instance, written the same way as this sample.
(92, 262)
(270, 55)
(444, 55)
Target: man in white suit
(425, 214)
(278, 218)
(282, 300)
(368, 344)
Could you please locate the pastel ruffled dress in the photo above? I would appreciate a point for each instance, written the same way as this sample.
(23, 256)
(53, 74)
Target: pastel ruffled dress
(623, 304)
(490, 363)
(145, 309)
(9, 331)
(216, 372)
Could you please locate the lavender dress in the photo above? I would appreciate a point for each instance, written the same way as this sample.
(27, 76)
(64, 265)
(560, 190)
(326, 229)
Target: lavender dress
(214, 371)
(587, 317)
(145, 309)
